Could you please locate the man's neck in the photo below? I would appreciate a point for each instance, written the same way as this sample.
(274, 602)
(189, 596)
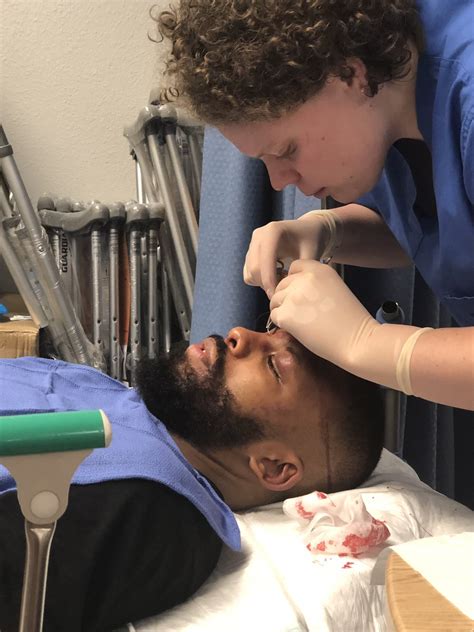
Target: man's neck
(228, 471)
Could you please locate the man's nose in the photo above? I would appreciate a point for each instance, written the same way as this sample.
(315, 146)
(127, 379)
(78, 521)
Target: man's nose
(240, 341)
(280, 175)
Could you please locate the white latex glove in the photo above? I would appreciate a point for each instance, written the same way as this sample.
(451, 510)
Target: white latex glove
(315, 305)
(311, 236)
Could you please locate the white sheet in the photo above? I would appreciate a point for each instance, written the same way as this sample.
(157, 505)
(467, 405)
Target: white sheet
(277, 585)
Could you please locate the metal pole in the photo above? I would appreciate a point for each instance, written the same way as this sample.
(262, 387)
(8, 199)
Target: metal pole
(189, 212)
(166, 312)
(117, 216)
(172, 216)
(21, 280)
(38, 541)
(156, 217)
(196, 161)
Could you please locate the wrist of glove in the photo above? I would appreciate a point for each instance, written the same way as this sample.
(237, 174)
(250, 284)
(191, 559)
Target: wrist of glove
(333, 232)
(382, 353)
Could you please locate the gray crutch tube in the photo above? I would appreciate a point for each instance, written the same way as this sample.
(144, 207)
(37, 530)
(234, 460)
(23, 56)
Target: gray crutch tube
(4, 203)
(141, 198)
(67, 333)
(156, 266)
(135, 134)
(157, 215)
(165, 306)
(100, 215)
(65, 258)
(196, 160)
(117, 217)
(137, 217)
(168, 117)
(22, 282)
(46, 202)
(193, 131)
(157, 146)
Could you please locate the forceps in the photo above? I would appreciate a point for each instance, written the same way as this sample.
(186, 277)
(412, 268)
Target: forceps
(270, 326)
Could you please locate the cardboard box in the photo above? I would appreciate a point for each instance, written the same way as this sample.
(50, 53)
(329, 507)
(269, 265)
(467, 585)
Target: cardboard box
(17, 337)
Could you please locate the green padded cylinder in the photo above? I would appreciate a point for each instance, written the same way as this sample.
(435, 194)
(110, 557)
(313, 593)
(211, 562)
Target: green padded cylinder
(52, 432)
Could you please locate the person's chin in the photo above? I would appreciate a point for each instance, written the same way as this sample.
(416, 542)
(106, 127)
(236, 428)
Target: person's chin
(346, 196)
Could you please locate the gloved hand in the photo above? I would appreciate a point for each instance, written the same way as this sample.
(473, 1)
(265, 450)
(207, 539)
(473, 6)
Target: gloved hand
(315, 305)
(312, 236)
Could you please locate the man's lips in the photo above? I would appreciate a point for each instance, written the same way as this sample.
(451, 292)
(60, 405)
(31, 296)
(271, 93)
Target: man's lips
(202, 354)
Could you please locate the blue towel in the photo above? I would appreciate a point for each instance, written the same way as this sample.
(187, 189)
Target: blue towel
(141, 447)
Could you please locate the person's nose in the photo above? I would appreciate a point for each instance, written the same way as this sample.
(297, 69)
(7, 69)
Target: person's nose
(280, 175)
(241, 342)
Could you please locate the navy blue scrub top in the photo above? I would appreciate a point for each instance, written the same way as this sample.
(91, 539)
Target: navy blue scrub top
(441, 245)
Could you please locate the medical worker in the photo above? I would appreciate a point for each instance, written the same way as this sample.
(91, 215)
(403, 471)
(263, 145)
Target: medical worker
(370, 102)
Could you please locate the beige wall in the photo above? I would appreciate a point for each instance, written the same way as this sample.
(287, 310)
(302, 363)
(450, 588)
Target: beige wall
(72, 73)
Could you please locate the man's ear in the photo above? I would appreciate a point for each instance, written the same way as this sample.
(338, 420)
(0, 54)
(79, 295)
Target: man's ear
(275, 465)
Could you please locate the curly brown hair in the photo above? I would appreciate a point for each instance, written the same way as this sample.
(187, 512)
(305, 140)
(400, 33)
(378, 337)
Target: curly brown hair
(244, 60)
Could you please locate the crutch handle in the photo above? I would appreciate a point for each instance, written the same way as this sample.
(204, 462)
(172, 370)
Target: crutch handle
(46, 202)
(156, 211)
(117, 212)
(42, 451)
(136, 214)
(77, 222)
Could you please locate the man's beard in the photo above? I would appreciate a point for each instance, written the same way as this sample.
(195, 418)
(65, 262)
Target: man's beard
(199, 409)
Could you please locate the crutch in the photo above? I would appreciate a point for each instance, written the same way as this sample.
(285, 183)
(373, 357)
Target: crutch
(147, 142)
(61, 245)
(145, 272)
(5, 207)
(156, 132)
(175, 274)
(116, 218)
(169, 122)
(157, 215)
(163, 335)
(136, 221)
(42, 452)
(391, 312)
(47, 202)
(193, 132)
(22, 282)
(66, 332)
(91, 218)
(165, 304)
(99, 216)
(15, 261)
